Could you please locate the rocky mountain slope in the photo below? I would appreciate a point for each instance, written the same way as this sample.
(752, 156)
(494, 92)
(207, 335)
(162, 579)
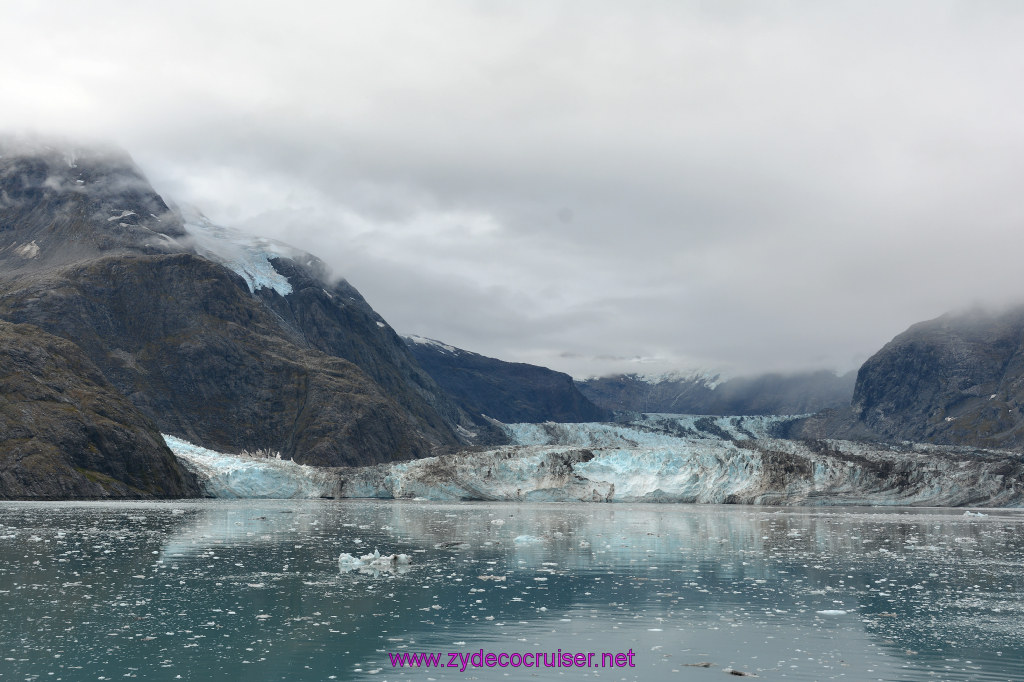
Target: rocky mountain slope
(230, 341)
(506, 391)
(66, 432)
(955, 379)
(799, 393)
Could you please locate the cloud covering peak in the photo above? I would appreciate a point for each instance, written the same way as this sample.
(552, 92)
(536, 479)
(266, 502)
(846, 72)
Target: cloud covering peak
(588, 186)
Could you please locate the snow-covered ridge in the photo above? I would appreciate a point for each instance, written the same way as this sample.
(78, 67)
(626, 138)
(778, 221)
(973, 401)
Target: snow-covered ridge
(424, 341)
(245, 254)
(709, 378)
(662, 458)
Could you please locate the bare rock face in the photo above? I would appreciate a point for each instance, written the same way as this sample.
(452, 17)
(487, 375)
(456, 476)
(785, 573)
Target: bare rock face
(956, 379)
(66, 432)
(184, 340)
(507, 391)
(60, 204)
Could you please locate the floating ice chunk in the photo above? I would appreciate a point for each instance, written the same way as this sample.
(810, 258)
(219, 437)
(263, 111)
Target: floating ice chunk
(347, 562)
(375, 562)
(832, 612)
(527, 539)
(970, 513)
(497, 522)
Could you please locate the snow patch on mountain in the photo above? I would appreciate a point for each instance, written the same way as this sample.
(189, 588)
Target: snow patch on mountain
(424, 341)
(245, 254)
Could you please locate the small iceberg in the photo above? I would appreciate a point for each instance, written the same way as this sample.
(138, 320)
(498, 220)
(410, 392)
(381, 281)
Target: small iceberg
(375, 562)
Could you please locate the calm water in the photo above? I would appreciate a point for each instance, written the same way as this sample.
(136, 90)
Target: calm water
(252, 590)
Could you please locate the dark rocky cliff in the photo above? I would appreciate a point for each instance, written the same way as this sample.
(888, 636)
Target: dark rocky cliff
(955, 379)
(66, 432)
(184, 340)
(507, 391)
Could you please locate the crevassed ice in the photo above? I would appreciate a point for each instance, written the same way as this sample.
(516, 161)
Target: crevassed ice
(239, 476)
(662, 458)
(247, 255)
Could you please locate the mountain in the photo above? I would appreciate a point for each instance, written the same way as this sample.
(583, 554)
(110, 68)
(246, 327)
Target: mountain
(956, 379)
(507, 391)
(229, 341)
(66, 432)
(800, 393)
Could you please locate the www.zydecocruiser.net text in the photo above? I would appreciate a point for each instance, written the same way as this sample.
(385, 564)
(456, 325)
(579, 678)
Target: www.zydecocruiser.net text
(516, 659)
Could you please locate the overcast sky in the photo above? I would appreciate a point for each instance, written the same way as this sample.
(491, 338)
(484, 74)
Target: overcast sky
(592, 186)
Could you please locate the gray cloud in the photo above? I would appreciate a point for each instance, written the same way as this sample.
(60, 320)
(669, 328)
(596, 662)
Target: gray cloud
(582, 185)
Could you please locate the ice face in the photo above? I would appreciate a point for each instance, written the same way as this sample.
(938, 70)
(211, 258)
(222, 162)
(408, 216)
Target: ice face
(685, 458)
(239, 476)
(661, 458)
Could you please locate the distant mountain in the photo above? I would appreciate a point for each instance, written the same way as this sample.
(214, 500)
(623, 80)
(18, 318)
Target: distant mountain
(766, 394)
(228, 341)
(507, 391)
(956, 379)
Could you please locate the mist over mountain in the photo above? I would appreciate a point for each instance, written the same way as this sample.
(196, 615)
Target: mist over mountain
(958, 378)
(765, 394)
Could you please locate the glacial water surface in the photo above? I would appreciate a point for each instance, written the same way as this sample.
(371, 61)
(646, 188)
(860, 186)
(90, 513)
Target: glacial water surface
(253, 590)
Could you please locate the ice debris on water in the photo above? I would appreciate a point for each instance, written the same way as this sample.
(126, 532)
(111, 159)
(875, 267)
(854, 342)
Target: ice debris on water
(527, 539)
(373, 562)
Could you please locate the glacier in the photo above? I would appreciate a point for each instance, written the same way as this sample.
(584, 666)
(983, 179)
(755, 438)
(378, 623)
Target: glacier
(248, 256)
(248, 477)
(659, 458)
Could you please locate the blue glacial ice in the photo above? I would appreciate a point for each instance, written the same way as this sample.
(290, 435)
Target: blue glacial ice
(249, 477)
(661, 458)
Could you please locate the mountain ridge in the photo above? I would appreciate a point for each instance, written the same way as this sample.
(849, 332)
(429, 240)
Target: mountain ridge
(194, 338)
(708, 393)
(506, 391)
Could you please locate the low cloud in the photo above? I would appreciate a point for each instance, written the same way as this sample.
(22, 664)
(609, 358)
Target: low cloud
(730, 186)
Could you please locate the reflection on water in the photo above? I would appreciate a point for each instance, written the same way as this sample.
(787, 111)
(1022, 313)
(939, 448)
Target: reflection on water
(253, 590)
